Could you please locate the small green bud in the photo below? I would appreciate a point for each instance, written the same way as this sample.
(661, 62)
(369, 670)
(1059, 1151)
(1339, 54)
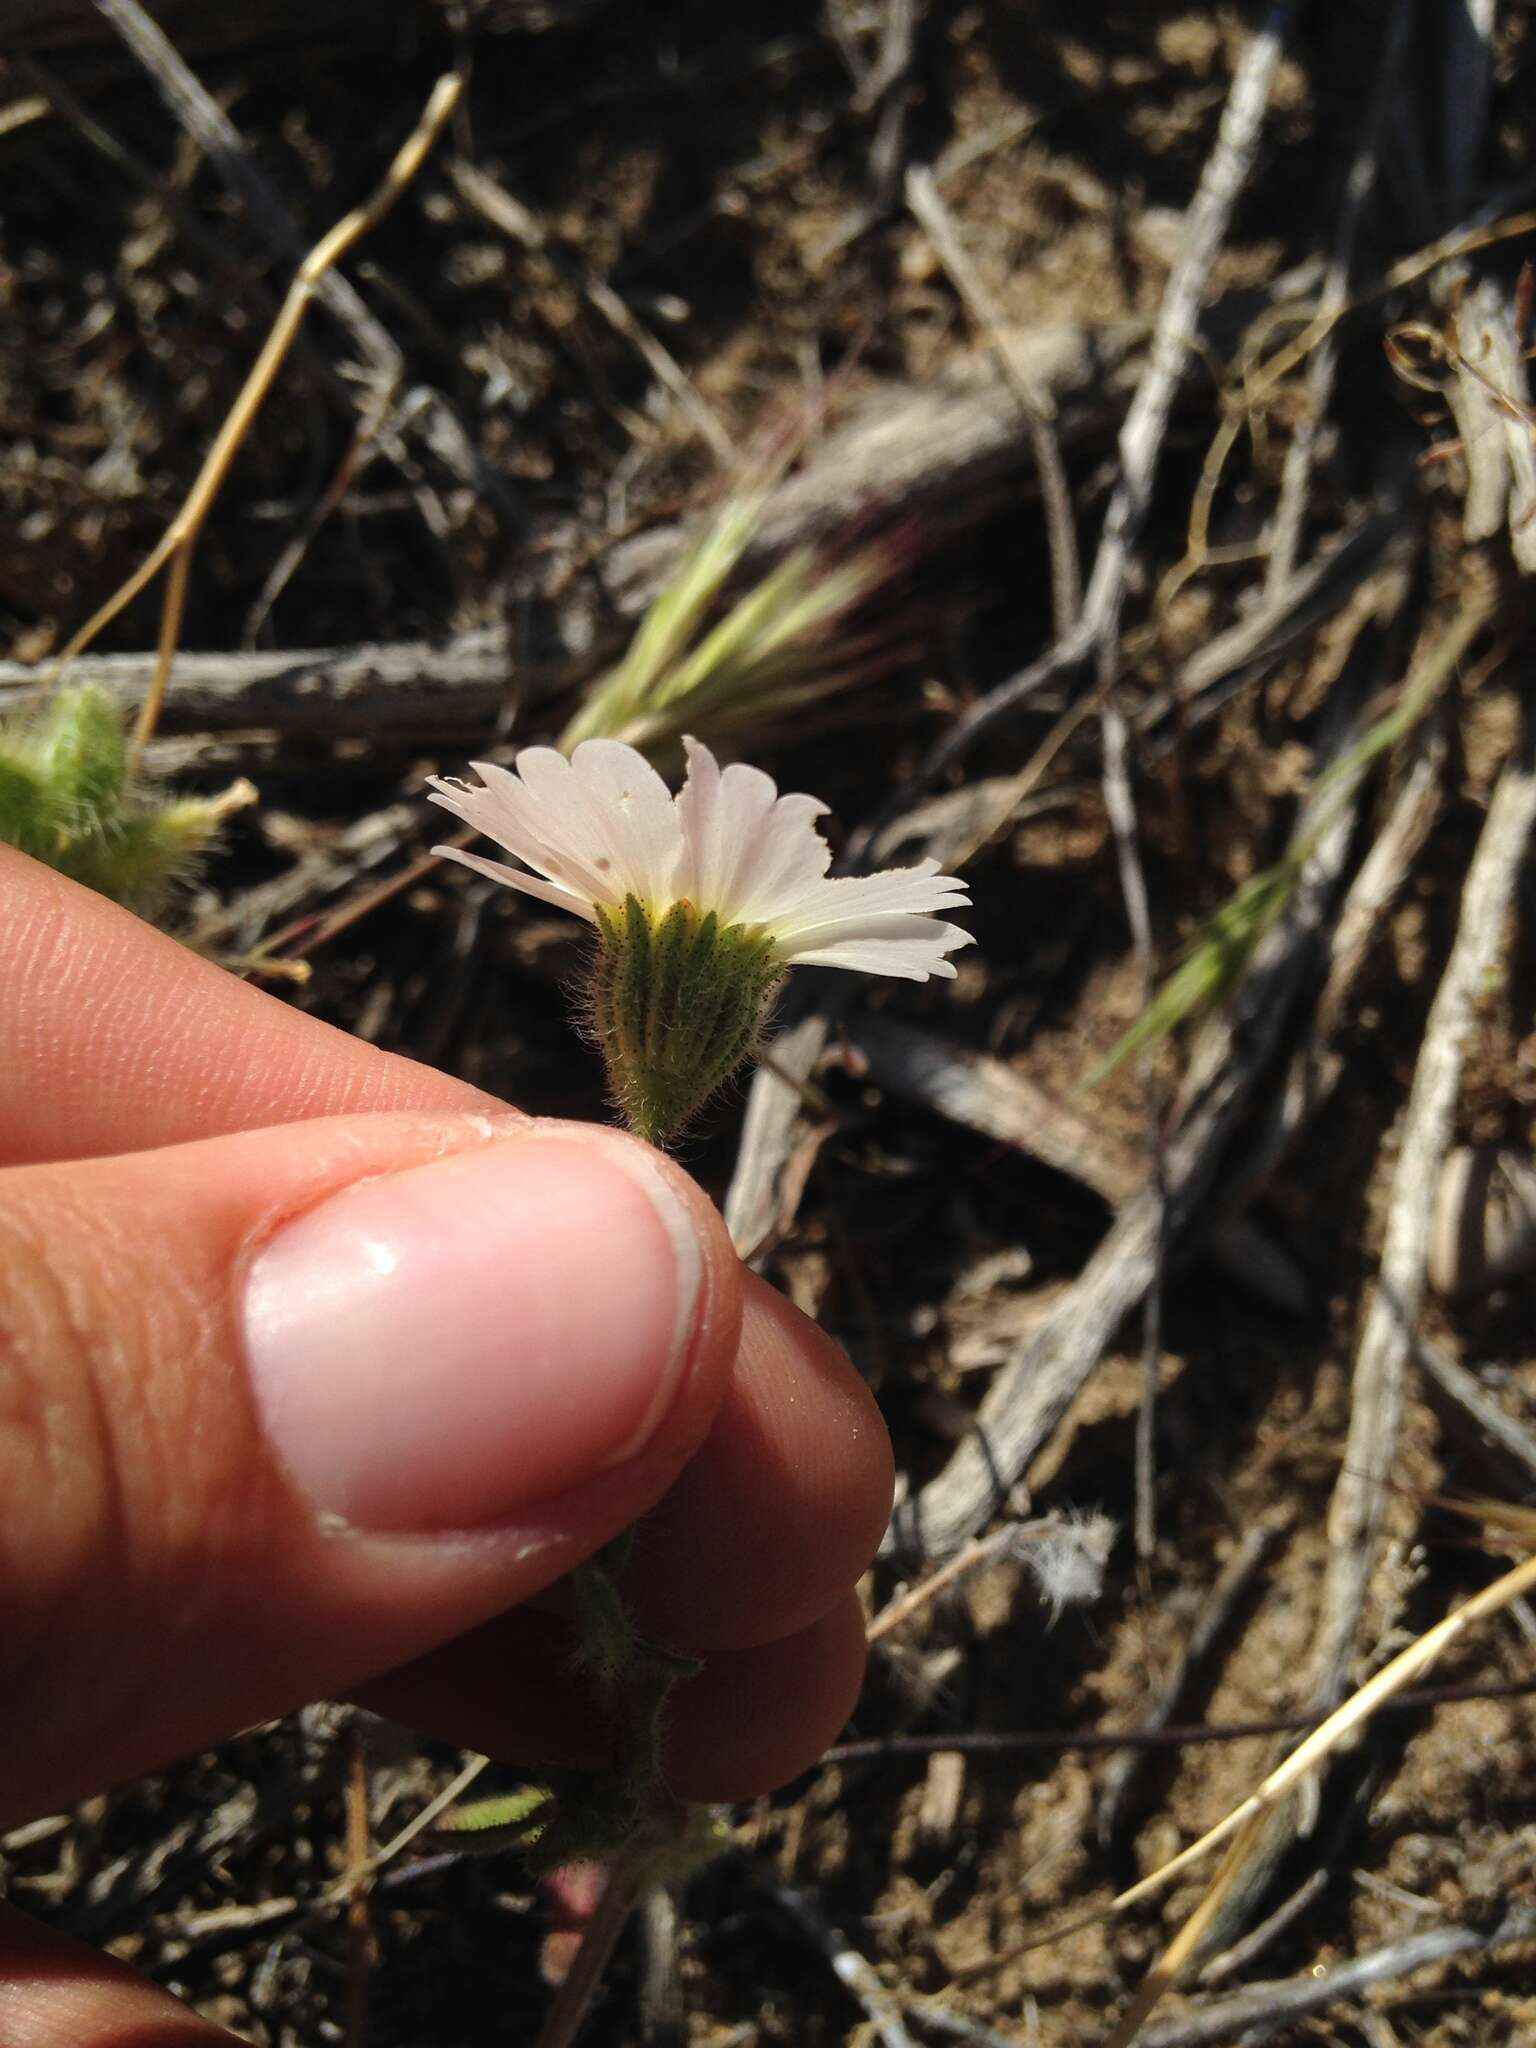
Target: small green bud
(677, 1004)
(82, 754)
(67, 798)
(29, 819)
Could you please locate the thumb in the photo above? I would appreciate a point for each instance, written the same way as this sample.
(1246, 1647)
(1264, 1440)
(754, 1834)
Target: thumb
(281, 1410)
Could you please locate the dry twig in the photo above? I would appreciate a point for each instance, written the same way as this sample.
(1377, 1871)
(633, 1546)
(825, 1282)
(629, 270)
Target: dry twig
(493, 203)
(1490, 397)
(987, 1095)
(174, 551)
(853, 1971)
(1506, 1433)
(196, 110)
(1226, 172)
(1261, 2010)
(1290, 512)
(1355, 1513)
(1031, 1394)
(1034, 404)
(398, 693)
(1340, 1727)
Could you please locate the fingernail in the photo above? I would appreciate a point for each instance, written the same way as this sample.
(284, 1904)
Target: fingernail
(442, 1347)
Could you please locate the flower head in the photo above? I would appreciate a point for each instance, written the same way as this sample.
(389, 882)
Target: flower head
(602, 826)
(701, 900)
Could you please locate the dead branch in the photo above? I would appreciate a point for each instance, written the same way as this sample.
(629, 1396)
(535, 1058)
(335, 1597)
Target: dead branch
(889, 91)
(177, 545)
(987, 1095)
(406, 691)
(1338, 282)
(752, 1208)
(71, 25)
(984, 1742)
(1035, 407)
(771, 1115)
(1380, 876)
(1376, 543)
(493, 203)
(1376, 1402)
(1491, 401)
(904, 450)
(959, 2026)
(1031, 1394)
(1316, 1065)
(1465, 1393)
(1259, 2011)
(1234, 1960)
(854, 1972)
(1226, 173)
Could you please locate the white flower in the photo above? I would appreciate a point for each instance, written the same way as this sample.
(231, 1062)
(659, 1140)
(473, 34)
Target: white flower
(602, 827)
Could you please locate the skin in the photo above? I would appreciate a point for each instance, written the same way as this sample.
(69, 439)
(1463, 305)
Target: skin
(161, 1583)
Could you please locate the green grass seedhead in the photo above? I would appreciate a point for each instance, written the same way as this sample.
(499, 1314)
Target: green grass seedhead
(67, 798)
(785, 643)
(670, 624)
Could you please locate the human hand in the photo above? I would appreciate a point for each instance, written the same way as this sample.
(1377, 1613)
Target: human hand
(315, 1365)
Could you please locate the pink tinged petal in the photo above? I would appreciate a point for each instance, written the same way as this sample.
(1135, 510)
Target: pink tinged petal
(736, 828)
(505, 810)
(784, 860)
(703, 824)
(629, 813)
(515, 878)
(576, 837)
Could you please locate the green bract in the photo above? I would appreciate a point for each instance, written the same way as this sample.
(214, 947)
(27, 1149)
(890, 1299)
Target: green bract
(676, 1003)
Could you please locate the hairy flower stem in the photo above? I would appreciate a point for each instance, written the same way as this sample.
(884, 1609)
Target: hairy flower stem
(643, 1861)
(677, 1000)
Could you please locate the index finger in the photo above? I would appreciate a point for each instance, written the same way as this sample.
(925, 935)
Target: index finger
(117, 1039)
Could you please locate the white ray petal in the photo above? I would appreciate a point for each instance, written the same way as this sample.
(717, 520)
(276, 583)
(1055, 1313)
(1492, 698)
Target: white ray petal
(910, 948)
(515, 878)
(852, 899)
(707, 833)
(505, 811)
